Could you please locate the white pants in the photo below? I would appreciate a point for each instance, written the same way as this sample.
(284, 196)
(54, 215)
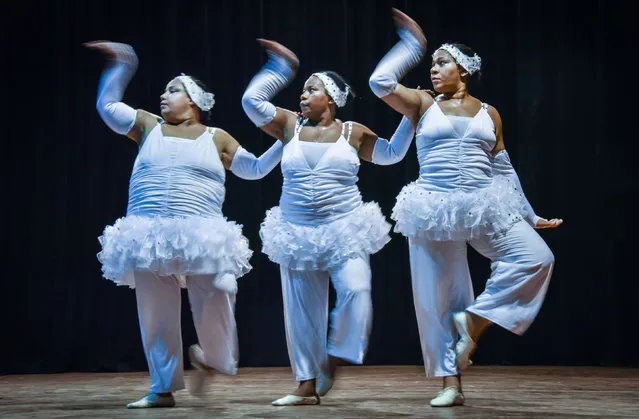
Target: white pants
(521, 265)
(212, 306)
(306, 315)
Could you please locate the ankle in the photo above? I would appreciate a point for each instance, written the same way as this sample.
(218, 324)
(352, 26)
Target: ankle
(305, 388)
(452, 381)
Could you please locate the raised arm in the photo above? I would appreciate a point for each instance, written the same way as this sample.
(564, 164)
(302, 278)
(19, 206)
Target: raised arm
(405, 55)
(122, 62)
(276, 74)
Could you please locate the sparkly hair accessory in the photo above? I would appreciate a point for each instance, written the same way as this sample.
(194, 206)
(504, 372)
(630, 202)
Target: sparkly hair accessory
(203, 100)
(339, 96)
(470, 64)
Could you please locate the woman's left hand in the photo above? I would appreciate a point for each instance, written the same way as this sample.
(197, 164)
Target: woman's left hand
(552, 223)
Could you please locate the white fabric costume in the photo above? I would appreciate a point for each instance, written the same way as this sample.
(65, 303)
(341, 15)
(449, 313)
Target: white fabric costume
(322, 229)
(463, 195)
(461, 198)
(174, 235)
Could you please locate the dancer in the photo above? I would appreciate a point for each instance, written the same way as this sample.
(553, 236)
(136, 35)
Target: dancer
(174, 234)
(467, 192)
(321, 227)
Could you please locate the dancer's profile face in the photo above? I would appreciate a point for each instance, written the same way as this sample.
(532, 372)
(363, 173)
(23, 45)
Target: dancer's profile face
(314, 97)
(444, 72)
(175, 99)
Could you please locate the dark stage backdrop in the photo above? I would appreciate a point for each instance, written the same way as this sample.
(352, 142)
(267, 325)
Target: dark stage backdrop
(557, 71)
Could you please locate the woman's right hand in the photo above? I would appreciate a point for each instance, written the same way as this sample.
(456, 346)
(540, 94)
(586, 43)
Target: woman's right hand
(114, 50)
(280, 50)
(403, 21)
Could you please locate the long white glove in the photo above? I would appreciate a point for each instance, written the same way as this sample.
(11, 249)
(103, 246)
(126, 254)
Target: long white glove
(390, 152)
(246, 166)
(117, 115)
(406, 54)
(272, 78)
(502, 166)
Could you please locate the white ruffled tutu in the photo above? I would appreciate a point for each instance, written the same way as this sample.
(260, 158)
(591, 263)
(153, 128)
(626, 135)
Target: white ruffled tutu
(193, 245)
(458, 215)
(300, 247)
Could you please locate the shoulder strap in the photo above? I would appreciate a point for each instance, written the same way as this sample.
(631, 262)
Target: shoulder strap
(350, 130)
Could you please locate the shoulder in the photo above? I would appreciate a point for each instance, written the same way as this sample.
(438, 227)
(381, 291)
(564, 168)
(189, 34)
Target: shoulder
(145, 122)
(221, 137)
(357, 127)
(218, 133)
(224, 142)
(147, 117)
(493, 113)
(359, 132)
(426, 97)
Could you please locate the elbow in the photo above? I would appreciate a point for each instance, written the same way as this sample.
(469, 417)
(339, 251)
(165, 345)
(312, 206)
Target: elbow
(381, 84)
(249, 102)
(104, 107)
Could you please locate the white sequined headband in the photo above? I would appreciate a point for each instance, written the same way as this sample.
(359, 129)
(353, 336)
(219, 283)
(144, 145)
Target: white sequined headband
(203, 100)
(339, 96)
(470, 64)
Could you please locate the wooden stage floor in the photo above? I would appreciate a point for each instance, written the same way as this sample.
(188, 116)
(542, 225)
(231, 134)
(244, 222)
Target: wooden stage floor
(361, 392)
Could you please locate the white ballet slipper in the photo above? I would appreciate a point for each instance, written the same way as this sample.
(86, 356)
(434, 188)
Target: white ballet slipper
(465, 345)
(202, 371)
(447, 397)
(292, 400)
(152, 400)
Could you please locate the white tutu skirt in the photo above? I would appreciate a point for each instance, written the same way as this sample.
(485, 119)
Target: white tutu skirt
(458, 215)
(193, 245)
(322, 247)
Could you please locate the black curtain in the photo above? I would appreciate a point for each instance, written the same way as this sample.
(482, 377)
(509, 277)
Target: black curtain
(559, 73)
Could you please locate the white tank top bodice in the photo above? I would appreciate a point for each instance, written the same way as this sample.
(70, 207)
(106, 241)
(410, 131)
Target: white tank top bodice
(177, 177)
(457, 196)
(325, 192)
(313, 152)
(450, 160)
